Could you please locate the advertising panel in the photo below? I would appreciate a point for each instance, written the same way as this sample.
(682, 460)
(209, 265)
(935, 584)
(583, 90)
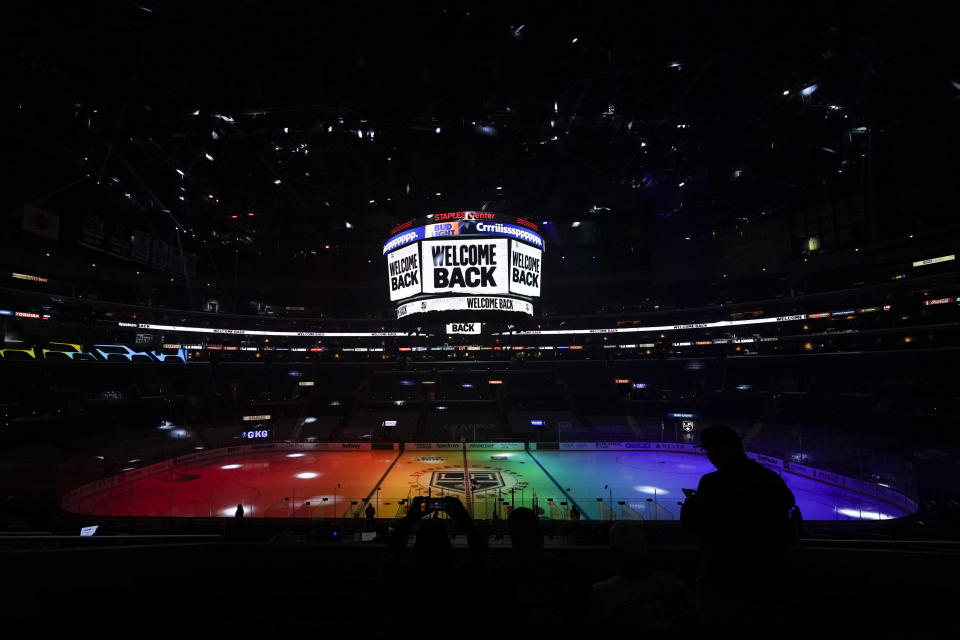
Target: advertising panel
(403, 239)
(472, 224)
(403, 269)
(923, 263)
(502, 229)
(442, 229)
(525, 263)
(465, 266)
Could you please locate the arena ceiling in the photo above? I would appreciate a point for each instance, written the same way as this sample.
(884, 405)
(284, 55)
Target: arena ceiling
(290, 129)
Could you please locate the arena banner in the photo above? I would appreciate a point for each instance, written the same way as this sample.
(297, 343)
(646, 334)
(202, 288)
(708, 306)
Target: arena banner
(665, 327)
(160, 256)
(141, 243)
(474, 266)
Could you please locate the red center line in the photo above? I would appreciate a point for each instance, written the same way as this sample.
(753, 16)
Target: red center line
(466, 484)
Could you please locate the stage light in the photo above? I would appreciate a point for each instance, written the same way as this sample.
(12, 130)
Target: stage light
(807, 91)
(295, 455)
(307, 475)
(231, 466)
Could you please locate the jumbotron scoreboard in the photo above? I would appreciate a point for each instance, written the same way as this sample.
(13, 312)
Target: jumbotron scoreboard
(464, 264)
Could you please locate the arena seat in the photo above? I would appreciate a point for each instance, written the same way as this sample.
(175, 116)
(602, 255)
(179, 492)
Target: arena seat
(476, 422)
(368, 424)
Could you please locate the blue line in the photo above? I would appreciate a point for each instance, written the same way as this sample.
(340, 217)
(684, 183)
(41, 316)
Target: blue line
(583, 514)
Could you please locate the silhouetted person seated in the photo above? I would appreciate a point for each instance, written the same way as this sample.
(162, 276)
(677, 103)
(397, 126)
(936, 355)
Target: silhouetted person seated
(544, 588)
(239, 512)
(740, 513)
(639, 596)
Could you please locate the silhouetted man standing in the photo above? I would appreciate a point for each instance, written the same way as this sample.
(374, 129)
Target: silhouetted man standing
(740, 513)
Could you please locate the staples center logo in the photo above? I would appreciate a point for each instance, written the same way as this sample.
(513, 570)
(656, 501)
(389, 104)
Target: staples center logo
(463, 215)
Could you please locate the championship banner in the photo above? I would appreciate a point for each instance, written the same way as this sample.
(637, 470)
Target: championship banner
(91, 233)
(175, 260)
(120, 244)
(39, 226)
(161, 254)
(140, 246)
(477, 303)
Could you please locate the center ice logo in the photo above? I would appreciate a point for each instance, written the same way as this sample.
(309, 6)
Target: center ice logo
(452, 481)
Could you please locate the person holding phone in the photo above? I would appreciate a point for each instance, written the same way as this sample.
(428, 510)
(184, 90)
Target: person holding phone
(739, 514)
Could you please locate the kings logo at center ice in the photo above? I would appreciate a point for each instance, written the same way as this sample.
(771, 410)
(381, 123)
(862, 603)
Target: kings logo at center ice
(452, 481)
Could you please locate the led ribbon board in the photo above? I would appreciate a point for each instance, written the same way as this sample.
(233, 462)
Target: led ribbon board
(465, 227)
(472, 303)
(482, 302)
